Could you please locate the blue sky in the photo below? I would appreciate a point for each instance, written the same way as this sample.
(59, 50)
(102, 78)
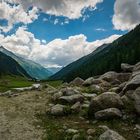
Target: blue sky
(55, 33)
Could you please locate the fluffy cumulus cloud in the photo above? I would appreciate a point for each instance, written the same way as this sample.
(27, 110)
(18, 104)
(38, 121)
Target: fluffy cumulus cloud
(68, 8)
(127, 14)
(56, 53)
(16, 14)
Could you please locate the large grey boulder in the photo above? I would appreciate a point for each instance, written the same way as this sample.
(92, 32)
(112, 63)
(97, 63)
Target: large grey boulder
(109, 113)
(77, 81)
(132, 84)
(88, 81)
(111, 135)
(126, 67)
(96, 88)
(104, 101)
(57, 95)
(137, 100)
(58, 110)
(71, 99)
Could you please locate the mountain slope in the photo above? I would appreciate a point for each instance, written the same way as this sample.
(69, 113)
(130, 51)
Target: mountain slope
(125, 49)
(10, 66)
(33, 69)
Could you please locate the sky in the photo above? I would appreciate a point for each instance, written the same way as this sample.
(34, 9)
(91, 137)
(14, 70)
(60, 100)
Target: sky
(55, 33)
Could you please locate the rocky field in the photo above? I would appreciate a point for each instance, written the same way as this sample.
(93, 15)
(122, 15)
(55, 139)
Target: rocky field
(105, 107)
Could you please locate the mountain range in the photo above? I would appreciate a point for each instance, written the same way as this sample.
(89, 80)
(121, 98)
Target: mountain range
(33, 69)
(107, 57)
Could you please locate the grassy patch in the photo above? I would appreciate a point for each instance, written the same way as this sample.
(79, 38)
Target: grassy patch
(55, 83)
(8, 82)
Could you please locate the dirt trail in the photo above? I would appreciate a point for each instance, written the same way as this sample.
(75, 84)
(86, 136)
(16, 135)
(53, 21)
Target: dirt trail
(17, 116)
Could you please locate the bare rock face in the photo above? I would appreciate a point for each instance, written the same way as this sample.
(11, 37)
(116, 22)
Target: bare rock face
(109, 113)
(111, 135)
(126, 67)
(77, 82)
(137, 100)
(104, 101)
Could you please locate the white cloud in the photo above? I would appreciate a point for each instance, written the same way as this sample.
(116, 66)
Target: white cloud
(69, 8)
(126, 14)
(16, 14)
(56, 53)
(100, 29)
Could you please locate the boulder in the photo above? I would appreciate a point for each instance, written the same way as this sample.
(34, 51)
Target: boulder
(123, 77)
(88, 81)
(137, 100)
(71, 99)
(58, 110)
(137, 67)
(89, 96)
(76, 107)
(109, 76)
(71, 131)
(57, 95)
(104, 101)
(77, 82)
(109, 113)
(68, 91)
(126, 67)
(111, 135)
(132, 84)
(96, 88)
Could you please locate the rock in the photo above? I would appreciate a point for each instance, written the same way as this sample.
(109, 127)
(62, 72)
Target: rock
(58, 110)
(137, 67)
(88, 81)
(132, 84)
(71, 131)
(104, 101)
(76, 137)
(137, 100)
(90, 138)
(126, 67)
(76, 107)
(71, 99)
(104, 127)
(96, 88)
(109, 113)
(111, 135)
(109, 76)
(68, 91)
(57, 95)
(89, 96)
(125, 100)
(91, 131)
(114, 89)
(77, 82)
(123, 77)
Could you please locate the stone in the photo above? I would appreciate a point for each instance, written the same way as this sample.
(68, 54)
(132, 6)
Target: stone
(91, 131)
(88, 81)
(90, 138)
(126, 67)
(132, 84)
(58, 110)
(71, 131)
(68, 91)
(111, 135)
(76, 137)
(104, 101)
(76, 107)
(96, 88)
(109, 113)
(71, 99)
(137, 100)
(89, 96)
(77, 82)
(57, 95)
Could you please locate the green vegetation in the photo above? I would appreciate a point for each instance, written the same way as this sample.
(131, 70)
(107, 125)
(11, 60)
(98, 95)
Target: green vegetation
(126, 49)
(55, 83)
(8, 82)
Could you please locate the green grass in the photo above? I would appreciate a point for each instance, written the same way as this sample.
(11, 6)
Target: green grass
(55, 83)
(9, 82)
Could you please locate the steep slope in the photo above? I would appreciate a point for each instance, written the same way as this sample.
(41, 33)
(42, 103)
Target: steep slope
(105, 58)
(33, 69)
(10, 66)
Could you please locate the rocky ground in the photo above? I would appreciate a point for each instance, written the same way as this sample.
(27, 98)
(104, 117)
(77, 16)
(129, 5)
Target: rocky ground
(103, 108)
